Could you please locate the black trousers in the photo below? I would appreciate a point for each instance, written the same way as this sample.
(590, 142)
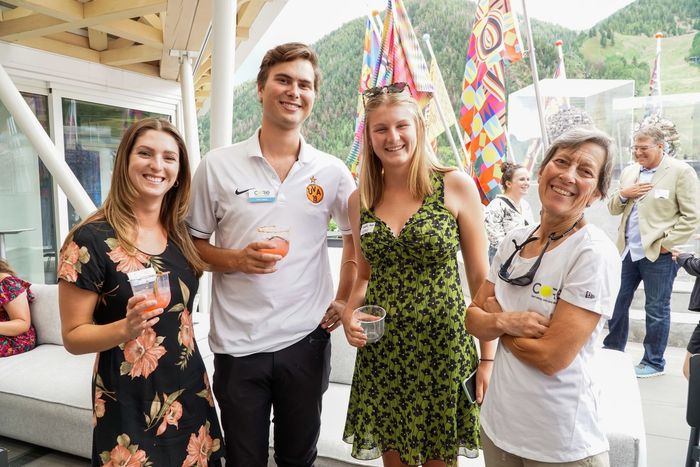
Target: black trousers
(292, 381)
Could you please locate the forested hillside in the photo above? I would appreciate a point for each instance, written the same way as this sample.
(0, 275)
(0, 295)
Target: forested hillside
(601, 52)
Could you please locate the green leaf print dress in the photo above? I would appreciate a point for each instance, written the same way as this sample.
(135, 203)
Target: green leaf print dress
(406, 391)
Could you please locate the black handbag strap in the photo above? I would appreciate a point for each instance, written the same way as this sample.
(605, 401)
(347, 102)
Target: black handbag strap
(512, 206)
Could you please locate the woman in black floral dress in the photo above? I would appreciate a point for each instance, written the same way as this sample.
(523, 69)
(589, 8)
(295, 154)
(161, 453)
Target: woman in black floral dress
(152, 401)
(410, 217)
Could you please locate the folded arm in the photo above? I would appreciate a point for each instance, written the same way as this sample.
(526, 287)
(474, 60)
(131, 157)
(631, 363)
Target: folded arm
(570, 328)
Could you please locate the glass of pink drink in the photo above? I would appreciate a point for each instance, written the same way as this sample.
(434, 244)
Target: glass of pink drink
(153, 288)
(277, 236)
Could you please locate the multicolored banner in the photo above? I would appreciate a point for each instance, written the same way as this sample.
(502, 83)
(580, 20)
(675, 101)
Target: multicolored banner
(400, 60)
(370, 56)
(494, 40)
(432, 117)
(655, 81)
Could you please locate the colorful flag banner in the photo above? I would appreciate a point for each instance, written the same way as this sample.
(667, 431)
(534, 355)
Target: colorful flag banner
(494, 40)
(370, 56)
(400, 60)
(432, 117)
(655, 81)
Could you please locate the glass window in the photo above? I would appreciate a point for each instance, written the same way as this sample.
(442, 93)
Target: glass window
(26, 199)
(91, 134)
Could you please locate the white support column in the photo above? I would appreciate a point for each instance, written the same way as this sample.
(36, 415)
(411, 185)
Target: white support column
(50, 156)
(222, 72)
(189, 110)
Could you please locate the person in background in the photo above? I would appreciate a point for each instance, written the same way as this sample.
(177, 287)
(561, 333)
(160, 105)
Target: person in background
(152, 402)
(409, 218)
(658, 200)
(272, 316)
(691, 264)
(509, 210)
(17, 334)
(549, 289)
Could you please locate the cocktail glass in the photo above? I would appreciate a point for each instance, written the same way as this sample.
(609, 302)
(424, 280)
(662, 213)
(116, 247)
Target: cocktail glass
(371, 318)
(153, 288)
(278, 236)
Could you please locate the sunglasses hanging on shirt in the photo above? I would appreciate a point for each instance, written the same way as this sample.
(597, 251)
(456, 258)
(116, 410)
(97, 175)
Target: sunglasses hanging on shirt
(527, 278)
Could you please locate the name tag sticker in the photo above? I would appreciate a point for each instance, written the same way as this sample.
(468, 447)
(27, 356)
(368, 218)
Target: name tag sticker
(659, 193)
(258, 195)
(367, 228)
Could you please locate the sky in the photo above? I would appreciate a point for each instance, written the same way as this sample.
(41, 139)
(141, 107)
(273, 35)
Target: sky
(309, 20)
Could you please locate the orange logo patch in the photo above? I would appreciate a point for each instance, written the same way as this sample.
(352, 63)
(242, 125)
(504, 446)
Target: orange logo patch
(314, 192)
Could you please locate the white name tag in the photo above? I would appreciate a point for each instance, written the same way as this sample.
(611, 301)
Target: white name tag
(258, 195)
(659, 193)
(367, 228)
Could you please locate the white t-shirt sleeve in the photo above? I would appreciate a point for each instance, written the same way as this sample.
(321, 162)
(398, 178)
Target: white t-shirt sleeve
(339, 209)
(201, 219)
(594, 279)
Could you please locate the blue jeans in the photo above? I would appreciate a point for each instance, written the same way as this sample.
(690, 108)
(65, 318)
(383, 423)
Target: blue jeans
(658, 277)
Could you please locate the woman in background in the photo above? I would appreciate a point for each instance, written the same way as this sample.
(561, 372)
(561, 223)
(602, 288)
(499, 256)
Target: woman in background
(17, 335)
(509, 210)
(152, 402)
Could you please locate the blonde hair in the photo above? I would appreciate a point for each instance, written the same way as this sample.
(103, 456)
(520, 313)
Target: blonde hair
(5, 268)
(116, 209)
(423, 163)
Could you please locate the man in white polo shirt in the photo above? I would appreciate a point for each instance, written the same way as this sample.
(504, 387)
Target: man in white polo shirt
(271, 315)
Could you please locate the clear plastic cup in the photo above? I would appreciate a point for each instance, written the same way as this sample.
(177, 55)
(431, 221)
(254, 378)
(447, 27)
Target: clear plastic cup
(153, 288)
(371, 318)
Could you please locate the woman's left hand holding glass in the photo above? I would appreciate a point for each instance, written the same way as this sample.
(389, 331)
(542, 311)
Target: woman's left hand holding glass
(353, 331)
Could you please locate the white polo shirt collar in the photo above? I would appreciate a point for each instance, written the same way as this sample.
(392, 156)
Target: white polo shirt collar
(306, 152)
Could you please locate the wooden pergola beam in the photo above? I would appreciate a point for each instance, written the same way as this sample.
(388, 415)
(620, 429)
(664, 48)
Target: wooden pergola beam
(97, 39)
(129, 55)
(58, 47)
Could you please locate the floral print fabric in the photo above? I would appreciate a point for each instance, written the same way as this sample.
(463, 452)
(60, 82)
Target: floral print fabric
(406, 391)
(12, 287)
(152, 401)
(500, 219)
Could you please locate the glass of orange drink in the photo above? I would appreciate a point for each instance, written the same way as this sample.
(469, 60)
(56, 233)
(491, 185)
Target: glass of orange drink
(277, 237)
(153, 288)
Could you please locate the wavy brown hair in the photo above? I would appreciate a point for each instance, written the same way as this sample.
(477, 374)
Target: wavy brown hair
(5, 268)
(423, 162)
(116, 209)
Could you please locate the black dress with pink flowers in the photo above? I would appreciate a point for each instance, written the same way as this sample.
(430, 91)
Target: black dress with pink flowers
(12, 287)
(152, 401)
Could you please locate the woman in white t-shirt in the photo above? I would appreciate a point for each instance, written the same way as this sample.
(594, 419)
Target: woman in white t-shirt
(509, 210)
(548, 291)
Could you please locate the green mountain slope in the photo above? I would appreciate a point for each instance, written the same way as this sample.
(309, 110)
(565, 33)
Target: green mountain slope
(623, 56)
(677, 75)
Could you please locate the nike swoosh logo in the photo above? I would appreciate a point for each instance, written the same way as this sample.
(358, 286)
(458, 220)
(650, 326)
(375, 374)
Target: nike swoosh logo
(240, 192)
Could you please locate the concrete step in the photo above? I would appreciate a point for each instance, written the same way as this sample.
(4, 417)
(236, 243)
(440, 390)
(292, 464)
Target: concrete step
(682, 326)
(683, 322)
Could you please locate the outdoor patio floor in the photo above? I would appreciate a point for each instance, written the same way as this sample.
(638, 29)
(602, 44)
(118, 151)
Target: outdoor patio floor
(663, 403)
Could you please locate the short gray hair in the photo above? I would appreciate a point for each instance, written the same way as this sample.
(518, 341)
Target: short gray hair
(651, 131)
(575, 138)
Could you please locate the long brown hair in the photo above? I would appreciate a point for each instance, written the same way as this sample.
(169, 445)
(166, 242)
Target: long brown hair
(423, 163)
(116, 209)
(5, 268)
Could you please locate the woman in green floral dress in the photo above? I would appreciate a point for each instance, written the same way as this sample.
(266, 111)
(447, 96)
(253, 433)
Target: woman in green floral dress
(152, 401)
(409, 218)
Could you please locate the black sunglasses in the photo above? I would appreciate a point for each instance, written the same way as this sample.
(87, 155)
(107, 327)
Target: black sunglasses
(393, 88)
(529, 276)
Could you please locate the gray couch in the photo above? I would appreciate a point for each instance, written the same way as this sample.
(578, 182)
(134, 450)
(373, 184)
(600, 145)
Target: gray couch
(45, 394)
